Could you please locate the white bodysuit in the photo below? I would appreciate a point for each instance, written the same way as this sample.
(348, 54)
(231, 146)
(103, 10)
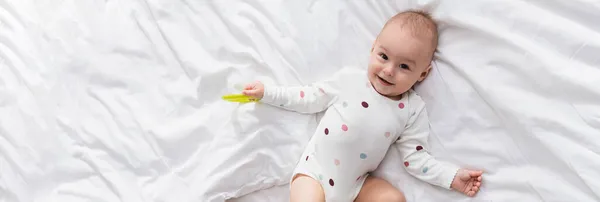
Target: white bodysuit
(356, 132)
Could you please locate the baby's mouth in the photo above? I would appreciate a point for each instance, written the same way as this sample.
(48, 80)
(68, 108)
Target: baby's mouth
(384, 82)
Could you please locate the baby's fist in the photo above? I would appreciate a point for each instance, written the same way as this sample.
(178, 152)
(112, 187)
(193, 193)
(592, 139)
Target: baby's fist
(467, 181)
(255, 90)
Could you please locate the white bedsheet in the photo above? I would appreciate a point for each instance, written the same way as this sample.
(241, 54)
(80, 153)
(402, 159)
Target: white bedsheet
(120, 100)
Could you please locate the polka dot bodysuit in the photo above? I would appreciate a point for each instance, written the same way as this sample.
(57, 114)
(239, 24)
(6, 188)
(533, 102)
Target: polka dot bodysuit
(357, 129)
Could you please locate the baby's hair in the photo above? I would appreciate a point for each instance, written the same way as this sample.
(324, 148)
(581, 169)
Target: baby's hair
(419, 22)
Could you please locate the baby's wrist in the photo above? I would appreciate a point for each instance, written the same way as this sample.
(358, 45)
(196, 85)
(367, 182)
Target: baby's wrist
(454, 184)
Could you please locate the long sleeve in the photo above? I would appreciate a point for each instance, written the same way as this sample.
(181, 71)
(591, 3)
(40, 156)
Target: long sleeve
(312, 98)
(413, 148)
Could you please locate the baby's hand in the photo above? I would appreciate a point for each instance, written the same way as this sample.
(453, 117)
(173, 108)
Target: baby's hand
(255, 90)
(467, 181)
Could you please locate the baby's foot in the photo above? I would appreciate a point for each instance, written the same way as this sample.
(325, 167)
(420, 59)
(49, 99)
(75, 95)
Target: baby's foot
(467, 181)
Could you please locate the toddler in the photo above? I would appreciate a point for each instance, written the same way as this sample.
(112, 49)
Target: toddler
(366, 112)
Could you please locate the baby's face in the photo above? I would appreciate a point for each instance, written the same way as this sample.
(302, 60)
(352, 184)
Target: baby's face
(398, 60)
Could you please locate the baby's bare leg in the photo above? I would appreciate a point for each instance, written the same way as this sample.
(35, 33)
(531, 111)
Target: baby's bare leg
(306, 189)
(376, 189)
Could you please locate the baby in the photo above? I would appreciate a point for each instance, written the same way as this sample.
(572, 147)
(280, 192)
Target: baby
(366, 113)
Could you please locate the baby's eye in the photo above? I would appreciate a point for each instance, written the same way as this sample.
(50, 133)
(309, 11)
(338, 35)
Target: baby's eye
(383, 56)
(404, 66)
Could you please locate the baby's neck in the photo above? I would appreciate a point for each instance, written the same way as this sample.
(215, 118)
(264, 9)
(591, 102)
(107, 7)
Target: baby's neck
(395, 97)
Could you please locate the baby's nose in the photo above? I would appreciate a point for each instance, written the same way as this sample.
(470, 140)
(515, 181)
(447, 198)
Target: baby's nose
(389, 70)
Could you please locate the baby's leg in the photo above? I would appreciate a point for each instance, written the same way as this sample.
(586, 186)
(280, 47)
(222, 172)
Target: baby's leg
(377, 189)
(306, 189)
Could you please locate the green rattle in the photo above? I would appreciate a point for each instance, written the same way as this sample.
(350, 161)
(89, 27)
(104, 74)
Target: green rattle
(239, 98)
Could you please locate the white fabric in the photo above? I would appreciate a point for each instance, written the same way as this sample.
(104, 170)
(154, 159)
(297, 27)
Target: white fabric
(356, 131)
(119, 100)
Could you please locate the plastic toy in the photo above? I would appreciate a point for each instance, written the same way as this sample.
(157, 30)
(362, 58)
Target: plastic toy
(239, 98)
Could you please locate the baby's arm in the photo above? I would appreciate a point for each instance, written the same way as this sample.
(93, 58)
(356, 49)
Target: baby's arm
(419, 163)
(312, 98)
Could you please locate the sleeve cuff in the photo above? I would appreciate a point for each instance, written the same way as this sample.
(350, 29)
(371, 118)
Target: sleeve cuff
(269, 94)
(448, 176)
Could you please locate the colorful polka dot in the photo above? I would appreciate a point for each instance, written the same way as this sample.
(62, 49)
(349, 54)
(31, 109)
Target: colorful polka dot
(302, 94)
(365, 104)
(336, 162)
(344, 127)
(307, 158)
(321, 90)
(363, 156)
(320, 177)
(419, 148)
(387, 134)
(406, 163)
(401, 105)
(425, 169)
(281, 105)
(344, 104)
(331, 182)
(358, 178)
(326, 131)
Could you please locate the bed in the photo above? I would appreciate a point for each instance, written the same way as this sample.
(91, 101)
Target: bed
(120, 100)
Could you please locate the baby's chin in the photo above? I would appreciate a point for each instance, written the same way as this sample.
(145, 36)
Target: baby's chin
(387, 92)
(381, 89)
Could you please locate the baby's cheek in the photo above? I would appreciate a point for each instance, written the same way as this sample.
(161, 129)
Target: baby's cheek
(401, 86)
(374, 62)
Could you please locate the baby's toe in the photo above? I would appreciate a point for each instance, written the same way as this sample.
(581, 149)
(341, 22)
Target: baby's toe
(475, 189)
(477, 184)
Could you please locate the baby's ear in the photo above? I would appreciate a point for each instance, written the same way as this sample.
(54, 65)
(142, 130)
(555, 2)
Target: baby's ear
(425, 73)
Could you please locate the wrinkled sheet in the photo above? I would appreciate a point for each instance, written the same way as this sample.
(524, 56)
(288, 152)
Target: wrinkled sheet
(120, 100)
